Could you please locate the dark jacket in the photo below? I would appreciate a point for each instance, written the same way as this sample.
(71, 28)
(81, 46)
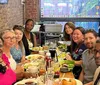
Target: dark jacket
(26, 46)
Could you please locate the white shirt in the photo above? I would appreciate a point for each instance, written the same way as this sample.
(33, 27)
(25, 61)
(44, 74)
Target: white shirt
(30, 44)
(12, 63)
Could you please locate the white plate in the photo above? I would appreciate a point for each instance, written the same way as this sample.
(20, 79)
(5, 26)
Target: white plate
(34, 56)
(25, 80)
(29, 80)
(78, 82)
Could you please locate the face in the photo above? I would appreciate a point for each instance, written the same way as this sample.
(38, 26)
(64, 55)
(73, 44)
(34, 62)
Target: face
(9, 39)
(90, 40)
(68, 30)
(77, 36)
(19, 35)
(1, 45)
(29, 26)
(97, 54)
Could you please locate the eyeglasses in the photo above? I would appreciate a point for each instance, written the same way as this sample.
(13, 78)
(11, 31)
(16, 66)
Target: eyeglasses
(96, 51)
(9, 38)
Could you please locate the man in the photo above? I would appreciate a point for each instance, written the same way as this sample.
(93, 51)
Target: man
(89, 65)
(96, 79)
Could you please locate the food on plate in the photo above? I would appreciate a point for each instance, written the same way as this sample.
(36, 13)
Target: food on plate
(35, 49)
(33, 69)
(40, 48)
(68, 64)
(45, 47)
(27, 65)
(34, 56)
(62, 47)
(66, 81)
(29, 83)
(73, 81)
(69, 82)
(41, 71)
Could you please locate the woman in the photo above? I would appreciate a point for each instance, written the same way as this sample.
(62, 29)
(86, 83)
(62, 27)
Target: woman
(8, 37)
(7, 75)
(29, 39)
(78, 48)
(68, 30)
(17, 51)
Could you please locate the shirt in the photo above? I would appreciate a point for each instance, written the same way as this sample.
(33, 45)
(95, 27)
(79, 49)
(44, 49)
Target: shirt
(89, 66)
(12, 63)
(9, 77)
(16, 54)
(77, 55)
(97, 72)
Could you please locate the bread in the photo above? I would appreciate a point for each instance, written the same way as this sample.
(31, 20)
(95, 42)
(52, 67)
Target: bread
(69, 82)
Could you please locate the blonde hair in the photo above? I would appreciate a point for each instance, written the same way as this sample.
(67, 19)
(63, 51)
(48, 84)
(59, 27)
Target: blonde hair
(5, 31)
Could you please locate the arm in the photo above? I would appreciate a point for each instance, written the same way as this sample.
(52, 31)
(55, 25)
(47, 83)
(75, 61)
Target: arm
(19, 72)
(90, 83)
(35, 43)
(77, 62)
(23, 59)
(81, 77)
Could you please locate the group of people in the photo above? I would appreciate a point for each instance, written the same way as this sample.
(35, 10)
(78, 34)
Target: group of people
(15, 44)
(82, 52)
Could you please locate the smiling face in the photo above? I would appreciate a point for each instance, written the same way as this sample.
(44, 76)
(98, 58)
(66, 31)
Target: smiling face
(29, 26)
(90, 40)
(68, 30)
(97, 53)
(77, 36)
(19, 35)
(9, 39)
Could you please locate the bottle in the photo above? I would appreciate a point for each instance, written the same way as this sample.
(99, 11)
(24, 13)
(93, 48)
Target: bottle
(48, 60)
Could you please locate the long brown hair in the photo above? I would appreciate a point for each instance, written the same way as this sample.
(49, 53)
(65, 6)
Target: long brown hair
(72, 26)
(20, 28)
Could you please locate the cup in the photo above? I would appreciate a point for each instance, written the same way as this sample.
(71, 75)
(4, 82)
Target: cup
(52, 52)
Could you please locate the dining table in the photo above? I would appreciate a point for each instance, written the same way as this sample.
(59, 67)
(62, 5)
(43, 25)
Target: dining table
(68, 74)
(31, 77)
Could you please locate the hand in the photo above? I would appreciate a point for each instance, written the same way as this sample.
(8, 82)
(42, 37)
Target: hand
(19, 72)
(25, 61)
(19, 69)
(68, 57)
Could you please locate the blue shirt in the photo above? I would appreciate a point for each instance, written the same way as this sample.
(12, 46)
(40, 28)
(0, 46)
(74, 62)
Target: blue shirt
(16, 54)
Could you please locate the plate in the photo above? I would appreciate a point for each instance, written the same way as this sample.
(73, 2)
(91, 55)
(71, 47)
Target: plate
(25, 80)
(36, 48)
(78, 82)
(22, 82)
(34, 56)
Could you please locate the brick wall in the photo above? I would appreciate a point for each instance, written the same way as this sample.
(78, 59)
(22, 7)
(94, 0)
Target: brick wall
(16, 13)
(11, 14)
(32, 9)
